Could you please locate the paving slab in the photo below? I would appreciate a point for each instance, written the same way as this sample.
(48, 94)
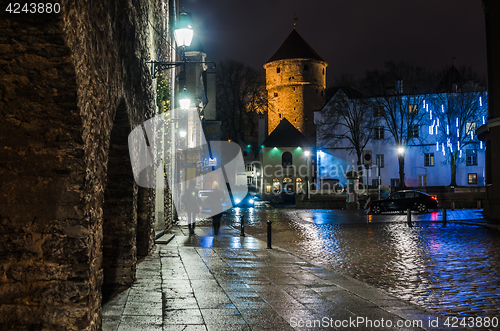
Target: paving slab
(229, 282)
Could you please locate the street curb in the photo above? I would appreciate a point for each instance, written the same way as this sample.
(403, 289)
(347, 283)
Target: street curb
(164, 242)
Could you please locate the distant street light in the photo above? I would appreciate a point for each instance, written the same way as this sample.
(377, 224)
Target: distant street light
(401, 150)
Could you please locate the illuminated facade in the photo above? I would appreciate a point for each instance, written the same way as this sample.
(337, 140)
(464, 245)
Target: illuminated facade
(431, 142)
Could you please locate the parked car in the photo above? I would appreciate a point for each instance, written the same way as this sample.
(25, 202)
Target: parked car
(403, 200)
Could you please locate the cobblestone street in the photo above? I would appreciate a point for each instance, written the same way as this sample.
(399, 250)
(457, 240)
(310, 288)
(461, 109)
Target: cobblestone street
(451, 268)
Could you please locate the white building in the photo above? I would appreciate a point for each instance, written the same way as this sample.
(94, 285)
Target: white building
(438, 133)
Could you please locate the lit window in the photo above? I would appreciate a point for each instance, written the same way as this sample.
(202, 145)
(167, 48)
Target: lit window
(298, 184)
(429, 159)
(287, 184)
(470, 126)
(472, 178)
(276, 185)
(471, 157)
(412, 109)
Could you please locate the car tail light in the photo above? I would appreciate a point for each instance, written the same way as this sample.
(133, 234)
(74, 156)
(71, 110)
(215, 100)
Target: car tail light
(434, 197)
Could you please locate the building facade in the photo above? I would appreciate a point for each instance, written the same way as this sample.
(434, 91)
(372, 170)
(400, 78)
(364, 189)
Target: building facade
(296, 83)
(437, 134)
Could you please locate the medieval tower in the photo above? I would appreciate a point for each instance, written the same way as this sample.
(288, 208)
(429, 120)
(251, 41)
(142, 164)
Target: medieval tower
(296, 83)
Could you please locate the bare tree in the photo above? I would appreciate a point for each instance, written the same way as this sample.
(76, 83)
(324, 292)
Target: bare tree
(347, 122)
(398, 93)
(460, 107)
(241, 94)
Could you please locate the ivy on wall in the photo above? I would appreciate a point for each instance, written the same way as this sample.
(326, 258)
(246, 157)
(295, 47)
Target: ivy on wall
(162, 94)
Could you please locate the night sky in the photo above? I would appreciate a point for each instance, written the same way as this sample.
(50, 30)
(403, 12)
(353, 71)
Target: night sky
(351, 35)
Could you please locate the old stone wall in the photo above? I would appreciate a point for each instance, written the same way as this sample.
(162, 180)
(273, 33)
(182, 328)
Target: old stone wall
(295, 91)
(72, 86)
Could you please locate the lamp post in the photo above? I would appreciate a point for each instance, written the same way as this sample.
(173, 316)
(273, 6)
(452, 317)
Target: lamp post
(307, 154)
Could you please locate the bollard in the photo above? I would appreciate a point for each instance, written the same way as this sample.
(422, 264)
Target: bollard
(443, 213)
(269, 235)
(242, 226)
(453, 205)
(408, 216)
(478, 204)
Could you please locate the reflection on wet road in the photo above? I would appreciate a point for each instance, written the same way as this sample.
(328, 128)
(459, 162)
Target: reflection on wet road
(451, 268)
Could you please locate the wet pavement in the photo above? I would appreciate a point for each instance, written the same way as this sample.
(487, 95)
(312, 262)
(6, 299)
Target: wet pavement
(231, 282)
(326, 267)
(451, 268)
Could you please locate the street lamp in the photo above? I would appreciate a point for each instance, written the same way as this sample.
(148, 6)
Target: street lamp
(183, 32)
(401, 150)
(184, 100)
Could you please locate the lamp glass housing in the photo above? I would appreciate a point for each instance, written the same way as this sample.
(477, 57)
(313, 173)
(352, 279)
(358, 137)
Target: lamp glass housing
(184, 103)
(183, 32)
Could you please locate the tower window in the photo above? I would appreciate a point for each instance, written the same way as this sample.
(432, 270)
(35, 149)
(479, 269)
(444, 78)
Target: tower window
(275, 94)
(278, 70)
(293, 88)
(280, 115)
(323, 71)
(306, 67)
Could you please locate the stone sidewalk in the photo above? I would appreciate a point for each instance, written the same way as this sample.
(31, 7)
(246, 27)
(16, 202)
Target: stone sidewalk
(230, 282)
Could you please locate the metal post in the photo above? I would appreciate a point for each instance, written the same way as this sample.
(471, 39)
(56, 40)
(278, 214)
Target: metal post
(408, 216)
(269, 235)
(443, 213)
(242, 226)
(453, 205)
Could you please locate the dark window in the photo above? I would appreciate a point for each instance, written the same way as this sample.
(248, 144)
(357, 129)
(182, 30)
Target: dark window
(375, 182)
(379, 133)
(278, 70)
(275, 94)
(306, 67)
(286, 159)
(394, 182)
(413, 131)
(380, 160)
(279, 115)
(378, 112)
(471, 157)
(429, 159)
(472, 178)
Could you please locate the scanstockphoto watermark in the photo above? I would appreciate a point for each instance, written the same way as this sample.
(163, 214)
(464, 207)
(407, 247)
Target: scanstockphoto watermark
(358, 322)
(155, 146)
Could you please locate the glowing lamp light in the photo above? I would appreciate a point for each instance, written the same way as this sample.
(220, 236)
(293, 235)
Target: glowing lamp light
(307, 153)
(248, 146)
(237, 201)
(401, 150)
(183, 32)
(251, 201)
(184, 100)
(182, 134)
